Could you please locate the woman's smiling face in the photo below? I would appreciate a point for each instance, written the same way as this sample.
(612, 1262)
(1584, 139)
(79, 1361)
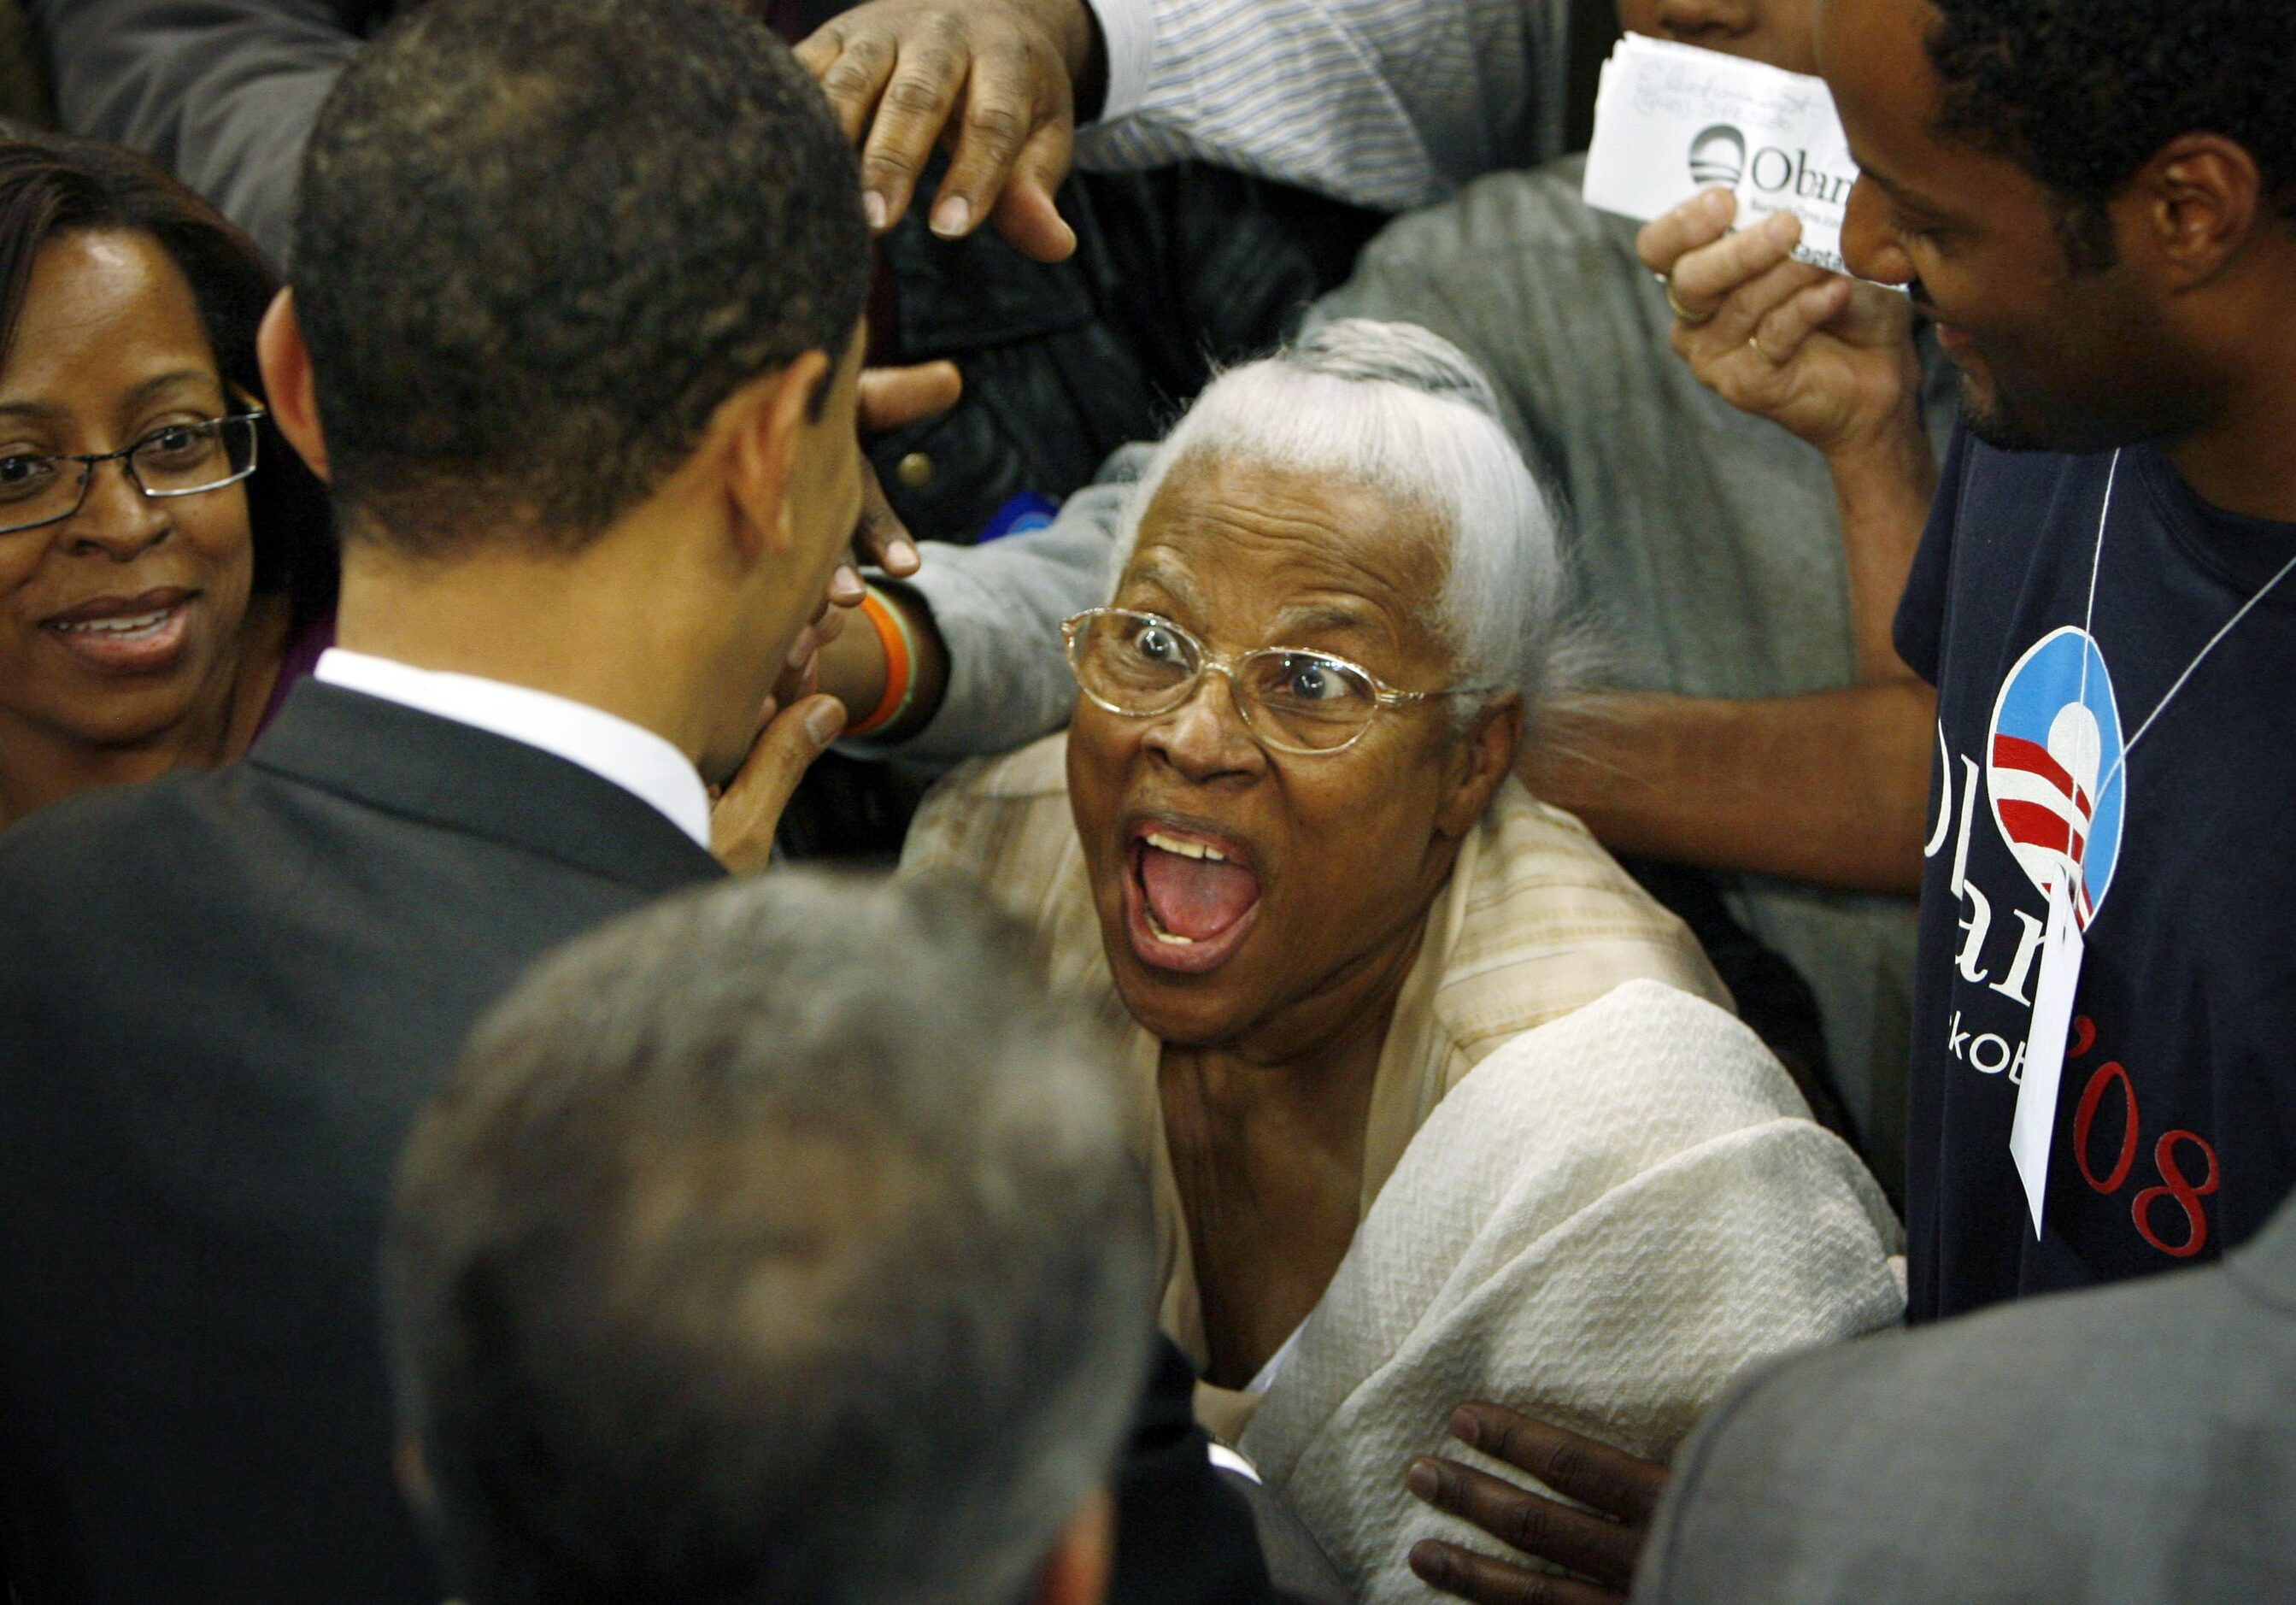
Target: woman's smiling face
(1236, 883)
(114, 621)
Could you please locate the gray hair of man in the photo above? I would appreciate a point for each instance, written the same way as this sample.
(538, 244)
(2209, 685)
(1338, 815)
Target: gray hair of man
(780, 1242)
(1407, 413)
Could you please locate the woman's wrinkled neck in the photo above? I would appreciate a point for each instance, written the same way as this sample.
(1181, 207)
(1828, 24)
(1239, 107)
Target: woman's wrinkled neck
(1316, 1046)
(40, 765)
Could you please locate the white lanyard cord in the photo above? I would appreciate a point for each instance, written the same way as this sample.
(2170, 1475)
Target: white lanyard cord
(2089, 619)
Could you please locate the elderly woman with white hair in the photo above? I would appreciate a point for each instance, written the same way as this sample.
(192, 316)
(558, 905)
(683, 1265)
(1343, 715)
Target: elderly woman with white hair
(1437, 1104)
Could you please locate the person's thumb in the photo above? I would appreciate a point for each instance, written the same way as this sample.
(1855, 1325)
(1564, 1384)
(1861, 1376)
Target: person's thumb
(742, 825)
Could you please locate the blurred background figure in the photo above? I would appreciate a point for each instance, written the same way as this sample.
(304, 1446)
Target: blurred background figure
(717, 1271)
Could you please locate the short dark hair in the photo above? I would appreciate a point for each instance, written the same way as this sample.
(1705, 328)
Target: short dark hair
(2084, 93)
(52, 184)
(780, 1242)
(539, 242)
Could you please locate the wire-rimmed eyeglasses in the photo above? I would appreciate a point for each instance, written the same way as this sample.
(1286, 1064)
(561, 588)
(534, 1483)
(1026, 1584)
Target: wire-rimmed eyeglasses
(1140, 665)
(175, 459)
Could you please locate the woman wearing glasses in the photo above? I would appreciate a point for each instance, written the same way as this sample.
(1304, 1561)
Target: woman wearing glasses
(1283, 841)
(166, 567)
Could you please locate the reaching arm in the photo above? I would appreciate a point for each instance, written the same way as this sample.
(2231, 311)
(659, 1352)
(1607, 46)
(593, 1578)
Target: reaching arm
(990, 617)
(1387, 103)
(1830, 786)
(222, 92)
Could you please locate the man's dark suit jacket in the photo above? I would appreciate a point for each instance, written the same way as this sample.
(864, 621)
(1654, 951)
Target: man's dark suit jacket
(223, 999)
(2131, 1444)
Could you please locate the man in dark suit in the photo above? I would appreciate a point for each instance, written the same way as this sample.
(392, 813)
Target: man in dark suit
(578, 292)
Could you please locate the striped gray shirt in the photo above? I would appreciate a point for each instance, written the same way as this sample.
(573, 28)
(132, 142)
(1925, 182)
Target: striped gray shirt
(1387, 103)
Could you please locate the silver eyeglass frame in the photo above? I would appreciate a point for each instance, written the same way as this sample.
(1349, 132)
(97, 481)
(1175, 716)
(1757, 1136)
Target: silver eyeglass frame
(1386, 697)
(89, 461)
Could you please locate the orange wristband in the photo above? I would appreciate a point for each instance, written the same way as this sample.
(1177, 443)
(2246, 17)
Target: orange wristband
(900, 663)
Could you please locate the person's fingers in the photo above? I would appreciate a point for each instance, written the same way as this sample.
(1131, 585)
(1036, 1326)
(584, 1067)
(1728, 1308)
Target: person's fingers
(1468, 1575)
(1699, 221)
(1779, 333)
(742, 825)
(1528, 1522)
(913, 108)
(844, 592)
(799, 678)
(852, 68)
(882, 537)
(1027, 215)
(1012, 87)
(818, 51)
(1610, 1480)
(832, 626)
(892, 396)
(1704, 278)
(1739, 314)
(806, 643)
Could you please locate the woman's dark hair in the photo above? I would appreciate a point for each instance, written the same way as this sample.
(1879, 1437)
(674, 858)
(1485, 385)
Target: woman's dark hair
(52, 184)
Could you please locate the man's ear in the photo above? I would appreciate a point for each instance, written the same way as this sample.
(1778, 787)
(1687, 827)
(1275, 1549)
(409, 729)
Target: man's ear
(2198, 200)
(763, 424)
(1480, 763)
(285, 362)
(1077, 1574)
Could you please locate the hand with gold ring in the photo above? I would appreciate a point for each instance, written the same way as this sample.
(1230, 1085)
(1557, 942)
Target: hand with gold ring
(1682, 313)
(1826, 357)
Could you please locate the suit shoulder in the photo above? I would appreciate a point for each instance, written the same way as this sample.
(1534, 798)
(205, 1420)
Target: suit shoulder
(106, 825)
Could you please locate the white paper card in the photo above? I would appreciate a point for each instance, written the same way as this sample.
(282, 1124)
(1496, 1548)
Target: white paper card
(2030, 1132)
(1671, 120)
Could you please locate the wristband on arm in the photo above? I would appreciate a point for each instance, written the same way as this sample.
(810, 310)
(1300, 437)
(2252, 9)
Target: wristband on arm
(900, 663)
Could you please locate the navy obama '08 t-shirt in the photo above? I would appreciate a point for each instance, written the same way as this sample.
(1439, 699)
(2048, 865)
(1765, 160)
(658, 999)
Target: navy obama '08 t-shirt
(2175, 1126)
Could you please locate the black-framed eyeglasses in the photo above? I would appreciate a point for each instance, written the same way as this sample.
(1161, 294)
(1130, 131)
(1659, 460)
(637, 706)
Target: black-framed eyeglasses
(1140, 666)
(175, 459)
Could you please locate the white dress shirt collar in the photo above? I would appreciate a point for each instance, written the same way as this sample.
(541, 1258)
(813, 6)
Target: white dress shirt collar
(611, 748)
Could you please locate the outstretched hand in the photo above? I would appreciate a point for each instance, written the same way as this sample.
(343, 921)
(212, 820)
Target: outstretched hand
(1828, 358)
(890, 398)
(1599, 1544)
(794, 728)
(994, 79)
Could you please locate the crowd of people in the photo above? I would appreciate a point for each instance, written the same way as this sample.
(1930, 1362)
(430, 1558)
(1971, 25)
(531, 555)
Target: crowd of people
(754, 850)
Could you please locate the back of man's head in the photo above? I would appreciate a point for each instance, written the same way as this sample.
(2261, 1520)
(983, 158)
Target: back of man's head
(539, 242)
(777, 1243)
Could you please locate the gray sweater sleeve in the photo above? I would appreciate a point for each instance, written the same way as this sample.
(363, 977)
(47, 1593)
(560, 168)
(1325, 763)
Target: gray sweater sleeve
(223, 92)
(999, 607)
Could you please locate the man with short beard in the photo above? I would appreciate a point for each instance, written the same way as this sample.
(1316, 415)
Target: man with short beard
(2096, 201)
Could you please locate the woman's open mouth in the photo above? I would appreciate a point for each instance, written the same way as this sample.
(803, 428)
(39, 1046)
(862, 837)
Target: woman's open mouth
(1189, 897)
(127, 635)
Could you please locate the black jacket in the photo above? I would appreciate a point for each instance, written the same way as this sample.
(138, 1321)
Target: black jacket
(223, 998)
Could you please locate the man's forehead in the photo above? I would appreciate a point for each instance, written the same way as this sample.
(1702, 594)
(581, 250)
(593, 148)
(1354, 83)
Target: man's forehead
(1874, 55)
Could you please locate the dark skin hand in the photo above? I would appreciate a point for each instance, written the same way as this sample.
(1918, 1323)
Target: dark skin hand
(798, 722)
(1599, 1544)
(891, 397)
(997, 81)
